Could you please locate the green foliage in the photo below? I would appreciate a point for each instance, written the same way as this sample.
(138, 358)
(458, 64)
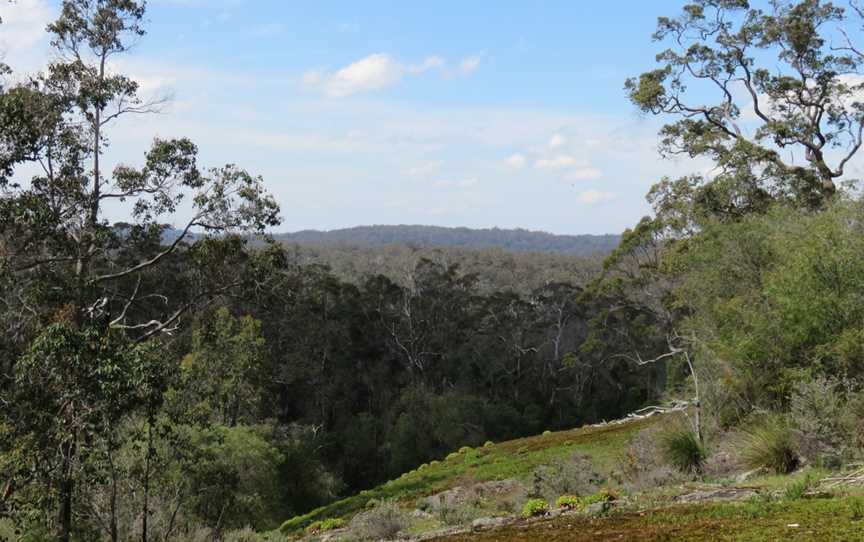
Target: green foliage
(535, 507)
(770, 444)
(488, 444)
(570, 502)
(384, 522)
(323, 526)
(604, 495)
(547, 432)
(798, 488)
(680, 447)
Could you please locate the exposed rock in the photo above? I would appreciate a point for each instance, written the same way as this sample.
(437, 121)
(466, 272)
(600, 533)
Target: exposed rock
(481, 524)
(721, 494)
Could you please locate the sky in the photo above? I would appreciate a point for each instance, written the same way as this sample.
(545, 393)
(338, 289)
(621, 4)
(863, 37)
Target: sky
(478, 114)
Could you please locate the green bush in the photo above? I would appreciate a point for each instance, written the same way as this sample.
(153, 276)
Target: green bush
(681, 448)
(325, 525)
(488, 444)
(465, 449)
(797, 489)
(770, 445)
(604, 495)
(547, 432)
(535, 507)
(570, 502)
(452, 456)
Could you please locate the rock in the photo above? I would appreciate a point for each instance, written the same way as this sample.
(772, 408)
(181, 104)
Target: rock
(481, 524)
(721, 494)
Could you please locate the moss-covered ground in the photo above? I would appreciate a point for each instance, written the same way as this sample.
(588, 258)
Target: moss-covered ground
(830, 519)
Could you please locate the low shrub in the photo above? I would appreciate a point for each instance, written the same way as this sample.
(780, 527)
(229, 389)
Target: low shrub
(465, 449)
(452, 456)
(572, 476)
(681, 448)
(642, 465)
(604, 495)
(547, 433)
(535, 507)
(488, 444)
(797, 489)
(770, 445)
(325, 525)
(384, 522)
(569, 502)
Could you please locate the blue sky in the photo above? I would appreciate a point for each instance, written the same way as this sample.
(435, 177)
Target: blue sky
(476, 114)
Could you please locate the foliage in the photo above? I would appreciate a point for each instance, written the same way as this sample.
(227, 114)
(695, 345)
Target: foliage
(570, 502)
(575, 475)
(770, 444)
(535, 507)
(681, 448)
(384, 522)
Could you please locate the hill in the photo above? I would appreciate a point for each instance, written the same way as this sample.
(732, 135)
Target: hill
(492, 481)
(435, 236)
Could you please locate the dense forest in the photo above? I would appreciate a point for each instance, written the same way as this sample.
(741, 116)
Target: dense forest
(434, 236)
(153, 386)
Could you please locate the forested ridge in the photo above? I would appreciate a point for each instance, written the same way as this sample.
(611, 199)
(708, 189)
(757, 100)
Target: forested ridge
(435, 236)
(208, 381)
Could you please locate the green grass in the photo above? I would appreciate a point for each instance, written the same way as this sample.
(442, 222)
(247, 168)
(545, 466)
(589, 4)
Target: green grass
(515, 459)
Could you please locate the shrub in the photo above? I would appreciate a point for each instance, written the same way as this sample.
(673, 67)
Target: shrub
(325, 525)
(817, 409)
(535, 507)
(572, 476)
(488, 444)
(547, 433)
(384, 522)
(642, 465)
(570, 502)
(452, 456)
(604, 495)
(681, 448)
(798, 488)
(424, 466)
(770, 445)
(433, 463)
(465, 449)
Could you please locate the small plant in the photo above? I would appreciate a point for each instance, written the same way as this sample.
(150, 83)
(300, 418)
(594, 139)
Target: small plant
(534, 508)
(798, 488)
(568, 502)
(424, 466)
(547, 432)
(856, 508)
(433, 463)
(465, 449)
(770, 445)
(488, 444)
(452, 456)
(604, 495)
(681, 448)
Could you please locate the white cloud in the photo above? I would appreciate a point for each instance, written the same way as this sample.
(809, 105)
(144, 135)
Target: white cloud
(423, 169)
(561, 161)
(428, 64)
(379, 71)
(584, 174)
(373, 72)
(469, 64)
(516, 161)
(591, 197)
(460, 183)
(557, 140)
(23, 24)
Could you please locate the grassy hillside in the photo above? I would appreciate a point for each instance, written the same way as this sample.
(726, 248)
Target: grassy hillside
(515, 459)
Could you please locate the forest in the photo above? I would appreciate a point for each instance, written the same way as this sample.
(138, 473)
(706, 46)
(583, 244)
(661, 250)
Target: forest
(159, 381)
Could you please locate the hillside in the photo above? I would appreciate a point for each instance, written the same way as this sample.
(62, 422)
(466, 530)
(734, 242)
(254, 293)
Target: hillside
(434, 236)
(490, 484)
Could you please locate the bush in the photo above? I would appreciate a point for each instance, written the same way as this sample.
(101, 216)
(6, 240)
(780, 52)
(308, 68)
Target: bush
(384, 522)
(452, 456)
(570, 502)
(770, 445)
(817, 409)
(604, 495)
(547, 433)
(798, 488)
(642, 465)
(488, 444)
(535, 507)
(681, 448)
(465, 449)
(325, 525)
(573, 476)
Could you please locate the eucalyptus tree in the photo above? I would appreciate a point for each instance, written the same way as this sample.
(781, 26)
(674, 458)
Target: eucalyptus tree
(771, 98)
(62, 263)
